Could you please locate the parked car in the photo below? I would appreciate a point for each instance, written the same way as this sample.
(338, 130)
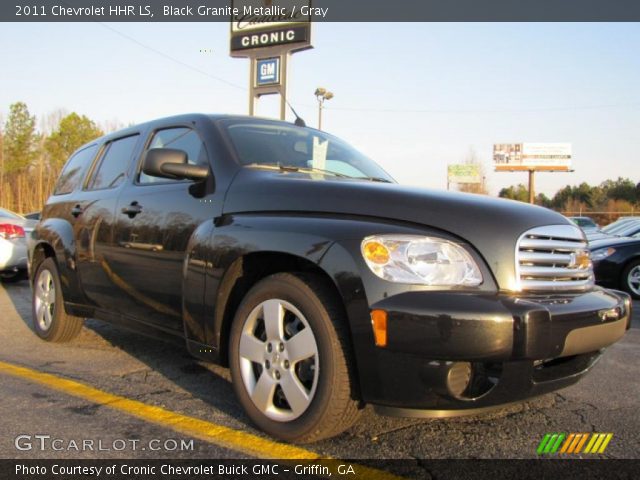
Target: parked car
(284, 253)
(13, 245)
(32, 216)
(585, 223)
(624, 228)
(617, 263)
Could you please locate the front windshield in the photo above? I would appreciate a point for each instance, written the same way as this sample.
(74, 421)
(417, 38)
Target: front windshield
(261, 143)
(630, 229)
(616, 226)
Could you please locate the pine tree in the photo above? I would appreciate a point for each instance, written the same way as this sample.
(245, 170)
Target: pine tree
(20, 139)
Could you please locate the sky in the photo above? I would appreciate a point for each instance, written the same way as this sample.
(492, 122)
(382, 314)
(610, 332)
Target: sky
(414, 97)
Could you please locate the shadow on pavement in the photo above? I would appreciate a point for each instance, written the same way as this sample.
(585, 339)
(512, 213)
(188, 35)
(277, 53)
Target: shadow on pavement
(209, 383)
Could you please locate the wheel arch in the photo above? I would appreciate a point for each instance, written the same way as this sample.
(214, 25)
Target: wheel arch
(54, 238)
(246, 271)
(40, 252)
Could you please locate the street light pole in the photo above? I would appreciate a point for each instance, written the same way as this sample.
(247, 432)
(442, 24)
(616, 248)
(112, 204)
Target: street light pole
(321, 95)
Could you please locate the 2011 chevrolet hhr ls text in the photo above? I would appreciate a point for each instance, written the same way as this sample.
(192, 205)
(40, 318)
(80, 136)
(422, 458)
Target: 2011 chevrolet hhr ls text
(284, 253)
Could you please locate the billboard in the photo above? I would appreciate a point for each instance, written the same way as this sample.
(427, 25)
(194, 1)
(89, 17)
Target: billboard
(532, 156)
(464, 173)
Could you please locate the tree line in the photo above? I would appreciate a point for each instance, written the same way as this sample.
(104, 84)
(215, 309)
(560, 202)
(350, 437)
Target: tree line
(606, 201)
(32, 153)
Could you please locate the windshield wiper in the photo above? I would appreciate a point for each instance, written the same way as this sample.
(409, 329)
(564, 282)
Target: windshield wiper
(376, 179)
(293, 168)
(319, 170)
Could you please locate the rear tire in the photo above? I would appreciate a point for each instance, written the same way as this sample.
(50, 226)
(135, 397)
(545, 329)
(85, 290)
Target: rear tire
(631, 279)
(50, 321)
(290, 359)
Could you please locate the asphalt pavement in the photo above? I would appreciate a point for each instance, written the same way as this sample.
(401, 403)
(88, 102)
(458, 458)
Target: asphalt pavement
(37, 421)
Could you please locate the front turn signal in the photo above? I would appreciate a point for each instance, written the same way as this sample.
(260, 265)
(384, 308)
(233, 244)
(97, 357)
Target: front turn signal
(379, 324)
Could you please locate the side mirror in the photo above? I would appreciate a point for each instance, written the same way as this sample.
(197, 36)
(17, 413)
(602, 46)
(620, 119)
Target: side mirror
(172, 163)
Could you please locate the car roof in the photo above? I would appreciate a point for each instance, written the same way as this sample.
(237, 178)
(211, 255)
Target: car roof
(183, 118)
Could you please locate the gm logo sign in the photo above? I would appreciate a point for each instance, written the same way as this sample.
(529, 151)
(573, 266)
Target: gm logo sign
(268, 71)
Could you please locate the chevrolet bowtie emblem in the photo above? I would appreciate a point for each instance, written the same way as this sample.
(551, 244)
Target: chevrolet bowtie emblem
(580, 259)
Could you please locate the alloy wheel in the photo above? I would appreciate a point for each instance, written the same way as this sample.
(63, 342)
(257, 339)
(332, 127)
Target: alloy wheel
(633, 279)
(279, 360)
(45, 299)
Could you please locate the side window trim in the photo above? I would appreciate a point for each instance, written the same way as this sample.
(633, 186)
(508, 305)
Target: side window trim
(94, 165)
(150, 137)
(85, 168)
(102, 152)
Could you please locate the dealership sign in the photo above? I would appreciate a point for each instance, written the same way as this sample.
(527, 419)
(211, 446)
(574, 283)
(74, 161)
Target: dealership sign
(268, 32)
(532, 156)
(279, 36)
(261, 24)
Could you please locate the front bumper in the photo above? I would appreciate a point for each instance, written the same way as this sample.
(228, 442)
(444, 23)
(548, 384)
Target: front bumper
(515, 347)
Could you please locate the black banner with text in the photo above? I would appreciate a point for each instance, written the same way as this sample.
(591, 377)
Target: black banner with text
(322, 10)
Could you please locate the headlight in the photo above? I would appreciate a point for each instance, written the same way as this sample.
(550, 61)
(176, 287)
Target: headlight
(420, 260)
(602, 253)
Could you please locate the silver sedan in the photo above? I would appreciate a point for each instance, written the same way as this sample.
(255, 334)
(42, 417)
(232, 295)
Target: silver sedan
(14, 230)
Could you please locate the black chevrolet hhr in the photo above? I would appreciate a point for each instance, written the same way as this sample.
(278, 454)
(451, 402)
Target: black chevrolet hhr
(285, 254)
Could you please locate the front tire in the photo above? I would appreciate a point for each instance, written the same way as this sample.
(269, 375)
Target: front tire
(50, 321)
(631, 279)
(290, 359)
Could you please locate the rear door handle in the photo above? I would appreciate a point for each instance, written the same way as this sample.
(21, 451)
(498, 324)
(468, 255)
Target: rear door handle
(77, 211)
(132, 209)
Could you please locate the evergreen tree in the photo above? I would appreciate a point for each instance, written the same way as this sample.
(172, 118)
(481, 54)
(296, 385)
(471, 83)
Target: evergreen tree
(20, 142)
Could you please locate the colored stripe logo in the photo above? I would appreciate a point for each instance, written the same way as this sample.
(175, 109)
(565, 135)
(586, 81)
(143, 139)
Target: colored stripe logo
(574, 443)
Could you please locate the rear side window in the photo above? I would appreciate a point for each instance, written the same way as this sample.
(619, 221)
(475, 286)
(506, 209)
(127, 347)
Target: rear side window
(180, 138)
(112, 168)
(73, 171)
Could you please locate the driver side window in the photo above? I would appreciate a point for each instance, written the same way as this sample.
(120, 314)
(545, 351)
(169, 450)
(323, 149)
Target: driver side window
(181, 138)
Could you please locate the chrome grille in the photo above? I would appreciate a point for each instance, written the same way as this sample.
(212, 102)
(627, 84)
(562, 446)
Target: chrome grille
(553, 258)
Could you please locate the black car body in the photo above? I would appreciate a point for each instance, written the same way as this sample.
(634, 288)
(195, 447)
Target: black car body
(616, 263)
(255, 214)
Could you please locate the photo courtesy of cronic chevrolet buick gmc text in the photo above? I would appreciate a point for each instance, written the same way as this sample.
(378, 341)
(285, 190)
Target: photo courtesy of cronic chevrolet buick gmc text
(284, 253)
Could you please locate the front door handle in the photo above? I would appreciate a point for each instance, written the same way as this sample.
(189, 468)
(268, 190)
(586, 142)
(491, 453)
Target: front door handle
(133, 209)
(77, 211)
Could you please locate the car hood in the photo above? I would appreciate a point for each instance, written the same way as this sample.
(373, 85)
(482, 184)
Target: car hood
(491, 225)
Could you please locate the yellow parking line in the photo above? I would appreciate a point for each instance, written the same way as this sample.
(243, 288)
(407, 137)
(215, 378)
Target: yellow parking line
(211, 432)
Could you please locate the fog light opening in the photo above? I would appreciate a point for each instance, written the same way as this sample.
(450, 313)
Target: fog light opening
(459, 378)
(468, 381)
(485, 377)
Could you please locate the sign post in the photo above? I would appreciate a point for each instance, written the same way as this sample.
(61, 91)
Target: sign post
(532, 158)
(268, 34)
